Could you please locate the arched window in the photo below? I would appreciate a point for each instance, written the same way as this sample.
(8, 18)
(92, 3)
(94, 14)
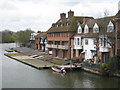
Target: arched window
(110, 27)
(86, 29)
(79, 30)
(95, 28)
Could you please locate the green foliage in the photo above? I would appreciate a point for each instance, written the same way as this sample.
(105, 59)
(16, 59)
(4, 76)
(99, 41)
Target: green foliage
(23, 36)
(14, 37)
(104, 68)
(7, 36)
(114, 63)
(15, 54)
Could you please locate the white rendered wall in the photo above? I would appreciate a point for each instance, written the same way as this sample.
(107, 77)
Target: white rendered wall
(76, 45)
(87, 48)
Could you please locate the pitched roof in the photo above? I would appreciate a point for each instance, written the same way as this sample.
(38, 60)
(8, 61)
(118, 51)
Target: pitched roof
(41, 34)
(102, 23)
(118, 14)
(65, 28)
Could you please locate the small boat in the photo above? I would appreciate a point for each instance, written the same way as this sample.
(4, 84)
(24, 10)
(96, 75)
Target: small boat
(57, 69)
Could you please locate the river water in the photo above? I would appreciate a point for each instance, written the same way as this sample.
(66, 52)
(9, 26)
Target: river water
(19, 75)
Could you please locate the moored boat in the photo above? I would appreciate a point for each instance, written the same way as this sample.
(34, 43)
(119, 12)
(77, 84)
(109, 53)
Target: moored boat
(57, 69)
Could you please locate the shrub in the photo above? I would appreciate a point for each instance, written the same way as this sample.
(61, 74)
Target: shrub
(114, 63)
(104, 68)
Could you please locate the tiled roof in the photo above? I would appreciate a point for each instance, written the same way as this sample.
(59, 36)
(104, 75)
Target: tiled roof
(118, 14)
(41, 34)
(71, 27)
(102, 23)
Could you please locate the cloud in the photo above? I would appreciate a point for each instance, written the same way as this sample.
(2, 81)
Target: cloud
(40, 14)
(7, 6)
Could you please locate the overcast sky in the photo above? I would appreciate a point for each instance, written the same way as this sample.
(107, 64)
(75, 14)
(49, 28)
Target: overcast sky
(40, 14)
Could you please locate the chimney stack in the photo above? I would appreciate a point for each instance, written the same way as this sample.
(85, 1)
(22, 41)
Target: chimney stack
(70, 14)
(62, 16)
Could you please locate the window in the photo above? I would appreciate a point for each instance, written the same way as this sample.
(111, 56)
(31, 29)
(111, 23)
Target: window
(79, 29)
(86, 41)
(61, 25)
(94, 41)
(78, 40)
(67, 24)
(75, 41)
(57, 25)
(110, 27)
(95, 28)
(86, 29)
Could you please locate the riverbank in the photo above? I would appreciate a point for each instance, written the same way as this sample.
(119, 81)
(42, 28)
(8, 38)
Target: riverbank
(34, 58)
(30, 61)
(42, 60)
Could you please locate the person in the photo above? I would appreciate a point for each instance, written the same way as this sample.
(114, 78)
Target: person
(63, 69)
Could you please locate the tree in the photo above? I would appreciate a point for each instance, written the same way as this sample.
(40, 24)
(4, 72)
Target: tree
(6, 36)
(23, 36)
(114, 63)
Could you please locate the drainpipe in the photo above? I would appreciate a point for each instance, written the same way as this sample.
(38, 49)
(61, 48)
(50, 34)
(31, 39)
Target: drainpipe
(116, 38)
(70, 44)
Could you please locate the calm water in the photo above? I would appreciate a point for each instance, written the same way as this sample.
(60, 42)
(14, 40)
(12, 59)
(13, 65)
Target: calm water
(18, 75)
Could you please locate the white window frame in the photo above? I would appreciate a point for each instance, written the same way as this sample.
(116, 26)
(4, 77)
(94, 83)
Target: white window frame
(110, 27)
(86, 29)
(95, 28)
(79, 29)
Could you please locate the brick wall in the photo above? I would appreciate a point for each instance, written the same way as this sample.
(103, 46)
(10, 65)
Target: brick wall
(118, 36)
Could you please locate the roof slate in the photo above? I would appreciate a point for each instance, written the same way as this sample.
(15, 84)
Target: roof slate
(102, 23)
(71, 27)
(41, 34)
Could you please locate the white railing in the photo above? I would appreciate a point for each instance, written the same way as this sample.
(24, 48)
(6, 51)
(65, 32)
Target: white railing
(48, 45)
(62, 47)
(57, 46)
(104, 49)
(54, 46)
(78, 47)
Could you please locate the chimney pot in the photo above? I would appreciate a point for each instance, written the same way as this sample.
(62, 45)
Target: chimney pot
(62, 16)
(70, 14)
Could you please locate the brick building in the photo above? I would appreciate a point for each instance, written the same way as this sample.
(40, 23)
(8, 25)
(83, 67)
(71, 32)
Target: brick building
(117, 19)
(60, 33)
(40, 41)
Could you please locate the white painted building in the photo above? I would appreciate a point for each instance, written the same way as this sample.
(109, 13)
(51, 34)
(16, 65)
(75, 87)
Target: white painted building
(89, 47)
(104, 43)
(32, 37)
(77, 42)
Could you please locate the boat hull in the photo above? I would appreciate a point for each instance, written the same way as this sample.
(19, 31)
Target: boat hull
(57, 70)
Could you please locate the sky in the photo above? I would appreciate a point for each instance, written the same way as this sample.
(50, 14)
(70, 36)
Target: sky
(38, 15)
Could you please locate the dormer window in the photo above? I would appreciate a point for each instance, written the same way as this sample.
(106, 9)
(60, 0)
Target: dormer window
(61, 25)
(79, 29)
(110, 27)
(86, 29)
(57, 25)
(67, 24)
(95, 28)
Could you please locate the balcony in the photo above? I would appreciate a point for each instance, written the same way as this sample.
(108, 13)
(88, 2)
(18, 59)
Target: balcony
(62, 47)
(104, 49)
(78, 47)
(57, 46)
(54, 46)
(94, 48)
(48, 45)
